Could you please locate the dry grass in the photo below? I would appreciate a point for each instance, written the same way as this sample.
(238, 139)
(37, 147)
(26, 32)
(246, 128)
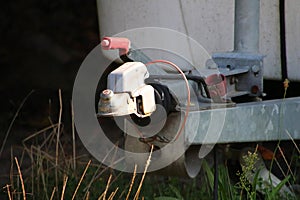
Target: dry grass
(21, 179)
(13, 121)
(83, 174)
(8, 192)
(64, 187)
(132, 182)
(47, 163)
(54, 170)
(137, 194)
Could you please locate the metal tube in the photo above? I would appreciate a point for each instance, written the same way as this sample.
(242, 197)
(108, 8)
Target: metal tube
(246, 26)
(249, 122)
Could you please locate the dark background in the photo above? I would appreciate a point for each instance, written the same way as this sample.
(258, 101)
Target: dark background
(42, 44)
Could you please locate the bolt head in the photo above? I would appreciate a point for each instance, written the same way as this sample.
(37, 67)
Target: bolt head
(107, 94)
(255, 69)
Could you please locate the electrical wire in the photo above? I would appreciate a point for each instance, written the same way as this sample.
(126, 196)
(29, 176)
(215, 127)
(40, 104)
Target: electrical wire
(187, 87)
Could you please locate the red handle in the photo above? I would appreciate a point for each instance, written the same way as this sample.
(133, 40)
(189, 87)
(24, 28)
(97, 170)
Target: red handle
(123, 44)
(216, 84)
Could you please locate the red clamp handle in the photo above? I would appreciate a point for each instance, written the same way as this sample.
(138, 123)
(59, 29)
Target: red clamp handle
(216, 85)
(109, 43)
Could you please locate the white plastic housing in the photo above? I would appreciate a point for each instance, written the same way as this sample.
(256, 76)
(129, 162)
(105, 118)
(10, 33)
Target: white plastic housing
(131, 94)
(127, 78)
(148, 99)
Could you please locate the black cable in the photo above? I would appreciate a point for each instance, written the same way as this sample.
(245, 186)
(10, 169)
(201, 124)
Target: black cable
(163, 96)
(199, 80)
(125, 58)
(284, 71)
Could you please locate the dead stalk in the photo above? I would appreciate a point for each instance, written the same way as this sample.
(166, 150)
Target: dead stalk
(112, 195)
(32, 169)
(106, 188)
(13, 121)
(286, 162)
(64, 187)
(8, 192)
(83, 174)
(39, 132)
(43, 179)
(296, 146)
(87, 196)
(137, 194)
(11, 167)
(52, 194)
(21, 179)
(279, 166)
(96, 175)
(132, 182)
(57, 138)
(49, 138)
(73, 137)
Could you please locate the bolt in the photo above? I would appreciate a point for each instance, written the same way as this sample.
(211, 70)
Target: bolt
(106, 94)
(105, 43)
(255, 69)
(233, 80)
(210, 64)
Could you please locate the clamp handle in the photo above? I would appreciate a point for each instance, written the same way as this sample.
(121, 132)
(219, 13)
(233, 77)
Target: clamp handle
(216, 85)
(110, 43)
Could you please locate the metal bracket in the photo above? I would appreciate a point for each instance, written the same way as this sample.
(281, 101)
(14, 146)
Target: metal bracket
(250, 122)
